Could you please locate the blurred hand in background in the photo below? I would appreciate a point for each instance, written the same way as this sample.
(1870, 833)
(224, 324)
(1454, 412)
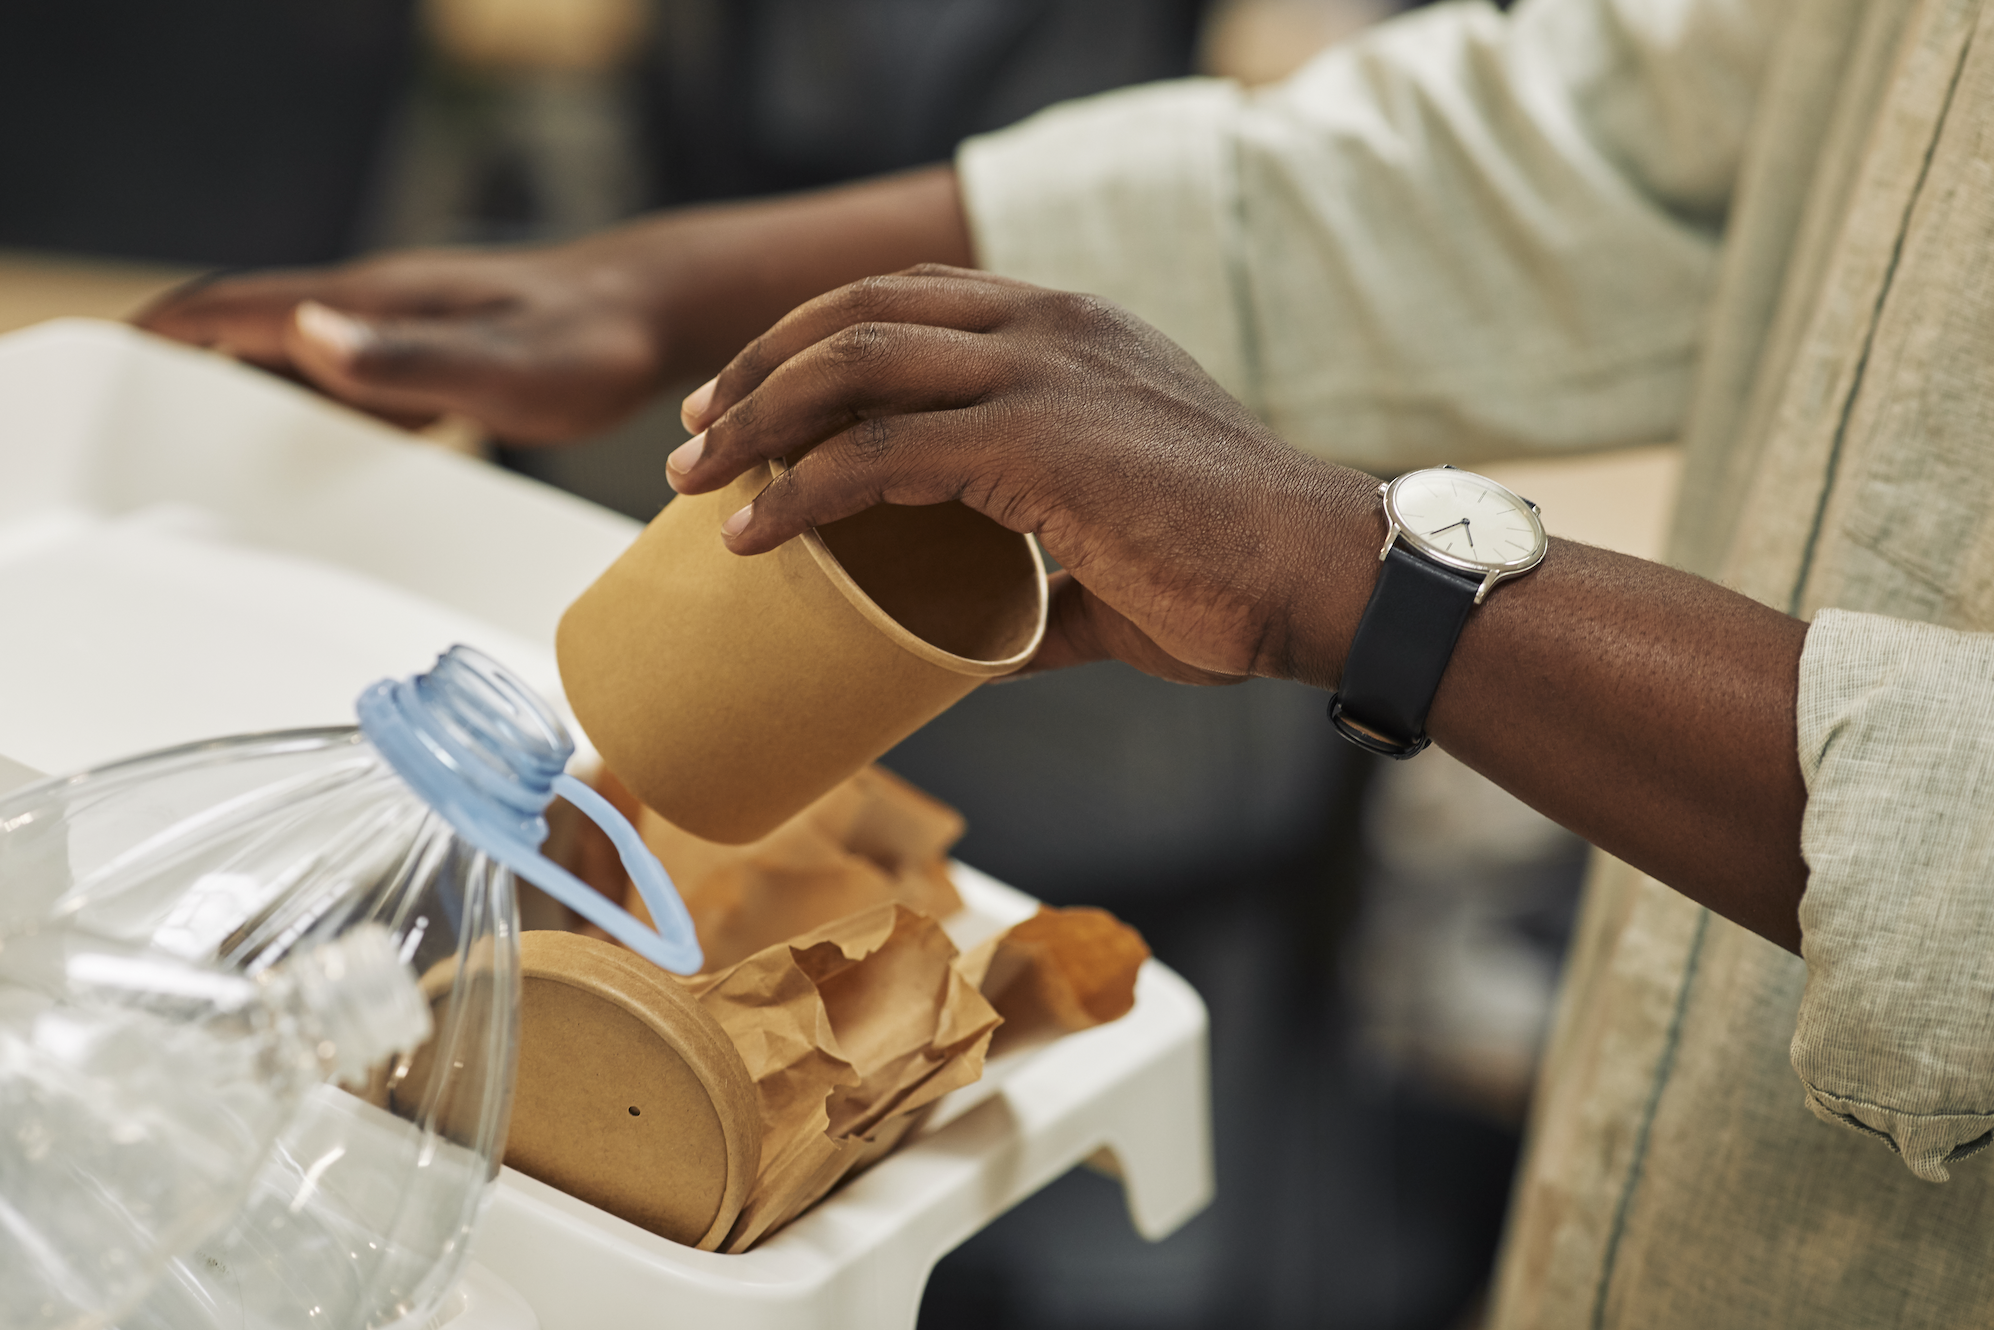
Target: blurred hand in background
(552, 343)
(535, 344)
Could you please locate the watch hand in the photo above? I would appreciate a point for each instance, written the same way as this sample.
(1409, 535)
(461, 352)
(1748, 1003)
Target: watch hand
(1466, 530)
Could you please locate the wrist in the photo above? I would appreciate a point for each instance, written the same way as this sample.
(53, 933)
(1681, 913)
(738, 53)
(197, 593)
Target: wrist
(640, 268)
(1323, 563)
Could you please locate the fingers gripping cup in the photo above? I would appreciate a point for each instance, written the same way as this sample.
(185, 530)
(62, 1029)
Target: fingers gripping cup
(730, 693)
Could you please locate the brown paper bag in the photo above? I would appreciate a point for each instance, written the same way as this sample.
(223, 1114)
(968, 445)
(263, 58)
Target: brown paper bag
(840, 1039)
(1057, 972)
(848, 1032)
(848, 1004)
(873, 840)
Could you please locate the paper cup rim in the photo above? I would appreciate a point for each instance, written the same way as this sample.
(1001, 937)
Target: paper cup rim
(908, 640)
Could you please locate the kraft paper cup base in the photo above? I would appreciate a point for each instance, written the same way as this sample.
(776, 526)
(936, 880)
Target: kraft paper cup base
(629, 1095)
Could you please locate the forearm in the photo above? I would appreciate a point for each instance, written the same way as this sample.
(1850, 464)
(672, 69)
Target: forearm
(720, 274)
(1650, 711)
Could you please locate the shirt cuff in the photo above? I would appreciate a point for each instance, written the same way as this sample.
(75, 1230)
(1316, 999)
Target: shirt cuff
(1896, 1030)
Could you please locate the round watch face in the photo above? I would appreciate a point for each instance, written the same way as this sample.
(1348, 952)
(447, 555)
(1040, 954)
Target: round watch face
(1465, 521)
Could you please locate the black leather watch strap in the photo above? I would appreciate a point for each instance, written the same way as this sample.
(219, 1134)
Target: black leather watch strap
(1401, 650)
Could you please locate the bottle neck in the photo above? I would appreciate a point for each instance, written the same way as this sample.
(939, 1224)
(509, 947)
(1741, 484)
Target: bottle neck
(488, 756)
(474, 743)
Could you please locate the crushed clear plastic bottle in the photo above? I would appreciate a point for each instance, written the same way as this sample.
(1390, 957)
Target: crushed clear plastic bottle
(140, 1093)
(247, 854)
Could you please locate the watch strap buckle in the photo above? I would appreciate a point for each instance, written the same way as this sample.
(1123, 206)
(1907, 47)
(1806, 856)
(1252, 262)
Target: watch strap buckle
(1370, 740)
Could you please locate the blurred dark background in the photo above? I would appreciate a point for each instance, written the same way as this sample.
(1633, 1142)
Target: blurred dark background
(229, 132)
(1377, 943)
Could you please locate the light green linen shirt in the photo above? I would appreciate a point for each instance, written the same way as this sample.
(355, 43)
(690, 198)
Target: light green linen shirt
(1765, 227)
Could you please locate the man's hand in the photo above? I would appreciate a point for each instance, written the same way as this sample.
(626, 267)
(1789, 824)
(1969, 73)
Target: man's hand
(550, 344)
(1181, 520)
(536, 345)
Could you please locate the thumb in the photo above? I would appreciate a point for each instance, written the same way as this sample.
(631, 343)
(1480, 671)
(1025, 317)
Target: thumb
(1081, 628)
(406, 369)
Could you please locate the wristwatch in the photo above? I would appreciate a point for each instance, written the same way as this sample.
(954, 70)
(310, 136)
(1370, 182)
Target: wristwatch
(1451, 536)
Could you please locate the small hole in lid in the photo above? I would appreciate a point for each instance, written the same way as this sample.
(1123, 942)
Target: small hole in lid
(633, 1111)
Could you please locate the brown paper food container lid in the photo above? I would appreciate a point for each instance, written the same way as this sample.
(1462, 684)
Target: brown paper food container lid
(629, 1095)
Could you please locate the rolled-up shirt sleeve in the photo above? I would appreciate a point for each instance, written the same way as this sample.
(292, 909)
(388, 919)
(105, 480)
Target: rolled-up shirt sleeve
(1464, 234)
(1896, 1029)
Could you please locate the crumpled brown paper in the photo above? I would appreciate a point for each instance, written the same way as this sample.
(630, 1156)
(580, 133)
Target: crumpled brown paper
(848, 1031)
(846, 1000)
(1057, 972)
(873, 840)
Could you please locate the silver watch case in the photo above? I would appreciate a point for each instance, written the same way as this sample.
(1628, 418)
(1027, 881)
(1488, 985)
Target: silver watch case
(1490, 571)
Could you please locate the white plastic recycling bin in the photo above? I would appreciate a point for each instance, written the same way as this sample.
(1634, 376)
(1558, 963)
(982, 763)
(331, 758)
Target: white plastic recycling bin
(192, 548)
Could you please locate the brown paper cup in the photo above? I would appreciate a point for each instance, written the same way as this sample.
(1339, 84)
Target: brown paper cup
(730, 693)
